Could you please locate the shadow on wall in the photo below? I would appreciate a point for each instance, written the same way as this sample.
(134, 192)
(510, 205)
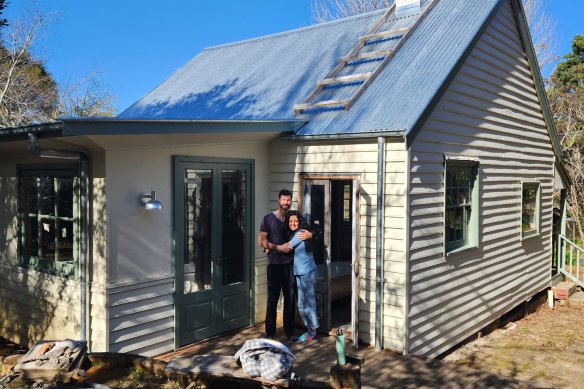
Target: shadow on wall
(31, 302)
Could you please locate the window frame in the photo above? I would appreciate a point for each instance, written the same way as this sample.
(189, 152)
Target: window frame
(68, 268)
(471, 240)
(537, 214)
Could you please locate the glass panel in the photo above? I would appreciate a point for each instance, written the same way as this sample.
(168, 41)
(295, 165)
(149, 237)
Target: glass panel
(198, 227)
(454, 225)
(47, 235)
(29, 195)
(529, 208)
(65, 196)
(65, 241)
(30, 236)
(346, 203)
(47, 189)
(233, 222)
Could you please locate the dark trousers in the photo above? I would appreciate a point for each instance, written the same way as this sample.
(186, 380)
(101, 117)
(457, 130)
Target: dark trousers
(280, 278)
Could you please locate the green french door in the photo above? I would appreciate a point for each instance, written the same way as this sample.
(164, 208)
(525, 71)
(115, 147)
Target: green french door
(213, 246)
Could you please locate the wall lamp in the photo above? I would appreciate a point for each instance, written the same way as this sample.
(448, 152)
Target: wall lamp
(149, 201)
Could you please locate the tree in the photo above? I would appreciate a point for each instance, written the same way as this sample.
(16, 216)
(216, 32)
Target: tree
(86, 96)
(566, 96)
(326, 10)
(541, 25)
(28, 92)
(3, 21)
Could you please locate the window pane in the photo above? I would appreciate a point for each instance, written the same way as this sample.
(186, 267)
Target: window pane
(65, 196)
(48, 239)
(454, 225)
(529, 208)
(30, 236)
(47, 189)
(29, 192)
(65, 241)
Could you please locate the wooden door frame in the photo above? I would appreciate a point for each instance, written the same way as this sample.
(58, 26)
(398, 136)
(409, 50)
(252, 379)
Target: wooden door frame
(355, 178)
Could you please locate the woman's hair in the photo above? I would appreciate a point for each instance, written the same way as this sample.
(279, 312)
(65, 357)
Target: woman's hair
(302, 225)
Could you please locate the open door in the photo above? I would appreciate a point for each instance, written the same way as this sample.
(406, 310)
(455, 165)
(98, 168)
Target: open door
(331, 207)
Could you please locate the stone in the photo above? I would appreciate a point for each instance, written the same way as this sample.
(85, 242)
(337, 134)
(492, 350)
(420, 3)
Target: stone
(9, 363)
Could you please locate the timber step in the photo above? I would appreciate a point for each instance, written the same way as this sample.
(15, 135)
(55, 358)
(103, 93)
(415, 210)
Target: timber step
(384, 34)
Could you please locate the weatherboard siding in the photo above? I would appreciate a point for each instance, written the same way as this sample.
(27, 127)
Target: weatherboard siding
(490, 112)
(141, 316)
(288, 159)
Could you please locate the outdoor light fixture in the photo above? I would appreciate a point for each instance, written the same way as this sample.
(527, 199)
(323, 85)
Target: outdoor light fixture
(149, 201)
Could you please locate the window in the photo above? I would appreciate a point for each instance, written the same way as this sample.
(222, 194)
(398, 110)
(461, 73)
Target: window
(48, 219)
(530, 193)
(461, 205)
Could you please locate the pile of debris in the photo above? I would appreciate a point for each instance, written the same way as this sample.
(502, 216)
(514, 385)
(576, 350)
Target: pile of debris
(49, 362)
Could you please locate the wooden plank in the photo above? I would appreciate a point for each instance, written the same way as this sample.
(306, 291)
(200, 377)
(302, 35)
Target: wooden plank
(298, 108)
(343, 79)
(367, 55)
(383, 34)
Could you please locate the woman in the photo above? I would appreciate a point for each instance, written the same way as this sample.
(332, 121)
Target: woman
(305, 273)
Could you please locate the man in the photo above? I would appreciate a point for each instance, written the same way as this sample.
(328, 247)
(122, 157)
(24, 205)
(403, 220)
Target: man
(280, 275)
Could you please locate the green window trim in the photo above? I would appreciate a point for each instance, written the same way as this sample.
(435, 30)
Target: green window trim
(530, 209)
(48, 218)
(461, 205)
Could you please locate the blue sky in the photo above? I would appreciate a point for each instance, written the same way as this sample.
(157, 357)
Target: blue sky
(137, 44)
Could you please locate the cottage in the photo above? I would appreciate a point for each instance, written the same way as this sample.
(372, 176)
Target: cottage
(417, 140)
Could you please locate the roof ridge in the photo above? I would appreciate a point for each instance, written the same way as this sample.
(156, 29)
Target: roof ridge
(297, 30)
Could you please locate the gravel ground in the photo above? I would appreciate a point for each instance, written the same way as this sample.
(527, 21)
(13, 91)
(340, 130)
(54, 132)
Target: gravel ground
(545, 347)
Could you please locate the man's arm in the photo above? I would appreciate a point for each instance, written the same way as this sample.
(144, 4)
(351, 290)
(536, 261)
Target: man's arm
(263, 240)
(304, 234)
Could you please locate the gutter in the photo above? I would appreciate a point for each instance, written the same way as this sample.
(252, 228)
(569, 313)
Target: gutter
(400, 134)
(35, 149)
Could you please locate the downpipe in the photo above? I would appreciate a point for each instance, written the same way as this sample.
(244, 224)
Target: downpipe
(35, 149)
(379, 245)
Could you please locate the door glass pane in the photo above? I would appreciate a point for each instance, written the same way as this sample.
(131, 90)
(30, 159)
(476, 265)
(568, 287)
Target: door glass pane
(198, 227)
(233, 222)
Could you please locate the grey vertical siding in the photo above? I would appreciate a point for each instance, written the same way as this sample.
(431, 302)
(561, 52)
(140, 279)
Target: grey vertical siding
(288, 159)
(141, 316)
(490, 112)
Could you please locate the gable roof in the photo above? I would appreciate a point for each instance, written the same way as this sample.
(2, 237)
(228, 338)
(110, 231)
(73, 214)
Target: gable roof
(262, 79)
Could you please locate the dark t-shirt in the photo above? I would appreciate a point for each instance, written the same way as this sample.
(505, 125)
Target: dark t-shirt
(278, 234)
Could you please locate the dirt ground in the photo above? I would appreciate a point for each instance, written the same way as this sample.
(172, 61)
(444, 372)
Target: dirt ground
(546, 347)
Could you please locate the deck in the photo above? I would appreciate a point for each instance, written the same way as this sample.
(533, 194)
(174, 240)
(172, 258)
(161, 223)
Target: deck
(383, 369)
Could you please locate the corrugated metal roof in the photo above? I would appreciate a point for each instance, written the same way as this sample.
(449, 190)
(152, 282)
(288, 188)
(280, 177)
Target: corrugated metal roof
(262, 79)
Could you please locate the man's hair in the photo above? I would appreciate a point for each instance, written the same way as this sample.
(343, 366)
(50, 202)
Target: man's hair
(284, 192)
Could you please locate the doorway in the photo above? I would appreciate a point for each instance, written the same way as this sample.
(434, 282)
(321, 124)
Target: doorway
(212, 246)
(330, 205)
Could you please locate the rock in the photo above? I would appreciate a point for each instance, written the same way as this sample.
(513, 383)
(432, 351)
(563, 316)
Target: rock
(9, 363)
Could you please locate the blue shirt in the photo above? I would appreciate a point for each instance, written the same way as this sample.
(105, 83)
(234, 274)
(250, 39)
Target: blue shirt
(303, 260)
